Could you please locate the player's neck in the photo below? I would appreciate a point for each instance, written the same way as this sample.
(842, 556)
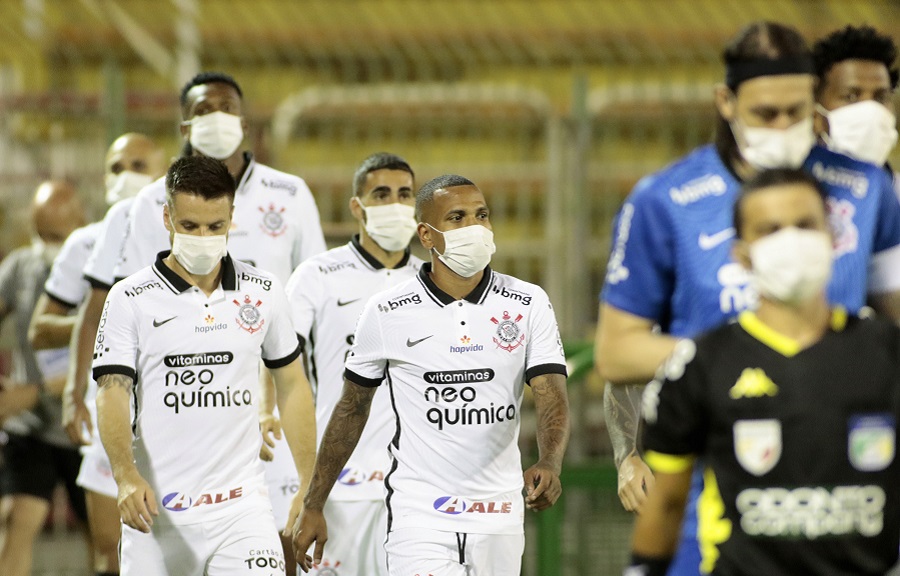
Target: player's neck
(451, 282)
(805, 323)
(205, 282)
(742, 169)
(387, 259)
(236, 163)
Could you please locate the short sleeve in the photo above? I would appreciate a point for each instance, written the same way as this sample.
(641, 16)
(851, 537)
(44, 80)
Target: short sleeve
(9, 274)
(280, 346)
(311, 240)
(673, 409)
(146, 234)
(100, 268)
(66, 283)
(116, 343)
(543, 350)
(884, 264)
(367, 361)
(304, 294)
(640, 273)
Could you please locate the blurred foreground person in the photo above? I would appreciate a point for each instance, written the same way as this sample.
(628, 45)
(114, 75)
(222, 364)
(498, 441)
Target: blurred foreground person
(38, 454)
(792, 411)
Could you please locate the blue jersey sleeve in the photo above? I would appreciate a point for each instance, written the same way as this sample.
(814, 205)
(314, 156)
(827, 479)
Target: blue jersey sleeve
(887, 230)
(640, 272)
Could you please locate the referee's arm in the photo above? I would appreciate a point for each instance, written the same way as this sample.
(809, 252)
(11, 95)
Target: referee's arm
(136, 500)
(341, 437)
(542, 486)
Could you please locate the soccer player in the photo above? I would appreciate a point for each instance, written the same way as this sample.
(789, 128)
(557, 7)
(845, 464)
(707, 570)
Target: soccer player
(799, 457)
(327, 294)
(275, 227)
(132, 161)
(456, 345)
(854, 95)
(671, 266)
(186, 336)
(37, 454)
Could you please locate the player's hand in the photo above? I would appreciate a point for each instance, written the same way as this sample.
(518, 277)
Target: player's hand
(542, 486)
(635, 482)
(310, 527)
(270, 427)
(137, 502)
(75, 419)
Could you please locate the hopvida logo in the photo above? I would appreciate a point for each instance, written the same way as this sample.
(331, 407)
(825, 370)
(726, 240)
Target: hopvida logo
(467, 346)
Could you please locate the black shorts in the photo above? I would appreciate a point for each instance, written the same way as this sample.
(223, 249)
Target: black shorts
(33, 467)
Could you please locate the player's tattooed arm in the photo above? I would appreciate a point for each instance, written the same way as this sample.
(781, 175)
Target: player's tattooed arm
(341, 437)
(542, 486)
(621, 408)
(136, 499)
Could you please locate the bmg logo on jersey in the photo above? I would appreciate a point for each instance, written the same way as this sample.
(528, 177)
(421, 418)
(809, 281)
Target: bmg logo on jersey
(737, 294)
(136, 291)
(454, 505)
(266, 283)
(400, 301)
(516, 295)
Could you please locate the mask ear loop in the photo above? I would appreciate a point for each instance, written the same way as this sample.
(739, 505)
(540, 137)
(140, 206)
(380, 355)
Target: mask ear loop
(439, 232)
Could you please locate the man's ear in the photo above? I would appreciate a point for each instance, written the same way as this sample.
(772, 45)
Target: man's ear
(167, 220)
(356, 209)
(725, 102)
(425, 238)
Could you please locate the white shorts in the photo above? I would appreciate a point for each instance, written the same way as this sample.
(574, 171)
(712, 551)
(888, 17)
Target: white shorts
(242, 544)
(95, 473)
(416, 551)
(282, 481)
(356, 532)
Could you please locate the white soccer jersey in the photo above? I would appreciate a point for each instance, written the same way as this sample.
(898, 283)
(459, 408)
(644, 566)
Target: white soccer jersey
(456, 370)
(66, 282)
(195, 360)
(327, 294)
(100, 268)
(275, 225)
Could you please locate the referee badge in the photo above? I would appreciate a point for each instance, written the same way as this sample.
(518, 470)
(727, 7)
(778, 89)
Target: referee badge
(871, 440)
(757, 445)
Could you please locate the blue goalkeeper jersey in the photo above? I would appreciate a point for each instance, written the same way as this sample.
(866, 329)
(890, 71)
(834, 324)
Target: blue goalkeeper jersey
(671, 256)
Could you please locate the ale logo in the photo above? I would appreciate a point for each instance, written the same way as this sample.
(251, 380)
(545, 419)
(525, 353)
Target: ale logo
(452, 505)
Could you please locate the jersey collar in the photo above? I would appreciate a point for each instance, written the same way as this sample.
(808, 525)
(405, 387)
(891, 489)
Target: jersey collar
(367, 257)
(179, 285)
(249, 165)
(784, 345)
(476, 296)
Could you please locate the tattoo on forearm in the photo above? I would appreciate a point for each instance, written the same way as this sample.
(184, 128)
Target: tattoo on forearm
(621, 407)
(552, 406)
(116, 381)
(341, 436)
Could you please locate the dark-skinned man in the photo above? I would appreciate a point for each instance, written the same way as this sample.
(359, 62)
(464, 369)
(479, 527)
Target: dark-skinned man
(456, 345)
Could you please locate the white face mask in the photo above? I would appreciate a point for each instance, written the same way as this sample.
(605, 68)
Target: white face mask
(199, 254)
(765, 148)
(216, 134)
(467, 250)
(864, 130)
(125, 184)
(791, 265)
(391, 226)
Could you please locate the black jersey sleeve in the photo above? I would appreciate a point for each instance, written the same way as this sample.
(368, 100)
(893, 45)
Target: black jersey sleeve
(674, 413)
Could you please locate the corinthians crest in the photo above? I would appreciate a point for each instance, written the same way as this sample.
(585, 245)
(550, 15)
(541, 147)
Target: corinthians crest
(509, 335)
(249, 317)
(273, 222)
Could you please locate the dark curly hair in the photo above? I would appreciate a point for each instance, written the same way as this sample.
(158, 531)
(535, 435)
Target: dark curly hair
(855, 43)
(208, 78)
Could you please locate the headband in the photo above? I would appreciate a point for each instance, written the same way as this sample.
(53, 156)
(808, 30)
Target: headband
(738, 72)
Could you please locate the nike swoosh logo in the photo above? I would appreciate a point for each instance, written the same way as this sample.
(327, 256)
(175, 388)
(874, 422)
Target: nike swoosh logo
(411, 343)
(710, 241)
(339, 303)
(158, 323)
